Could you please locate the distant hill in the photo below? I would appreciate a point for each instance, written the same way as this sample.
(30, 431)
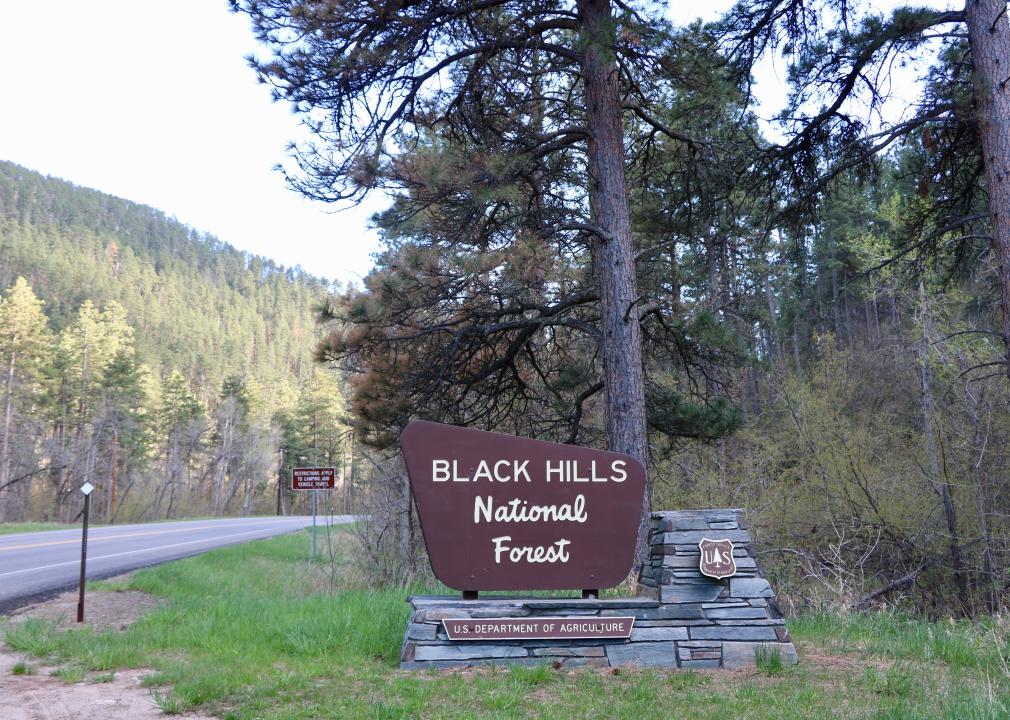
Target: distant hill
(197, 304)
(165, 367)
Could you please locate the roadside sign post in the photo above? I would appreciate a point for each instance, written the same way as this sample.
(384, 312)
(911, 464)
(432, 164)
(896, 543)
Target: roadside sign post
(86, 488)
(313, 479)
(315, 494)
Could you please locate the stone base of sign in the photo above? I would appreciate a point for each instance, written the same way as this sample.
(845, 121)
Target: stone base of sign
(729, 622)
(686, 620)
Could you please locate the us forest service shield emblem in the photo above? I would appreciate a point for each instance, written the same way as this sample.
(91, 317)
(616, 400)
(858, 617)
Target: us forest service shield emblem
(716, 558)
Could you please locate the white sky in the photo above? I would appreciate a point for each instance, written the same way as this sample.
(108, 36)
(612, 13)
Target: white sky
(154, 102)
(770, 87)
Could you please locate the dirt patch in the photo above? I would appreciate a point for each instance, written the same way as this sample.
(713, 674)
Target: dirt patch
(101, 696)
(845, 662)
(102, 609)
(816, 657)
(40, 697)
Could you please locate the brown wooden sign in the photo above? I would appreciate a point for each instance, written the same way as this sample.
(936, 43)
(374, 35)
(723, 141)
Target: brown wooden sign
(312, 478)
(716, 558)
(500, 512)
(545, 628)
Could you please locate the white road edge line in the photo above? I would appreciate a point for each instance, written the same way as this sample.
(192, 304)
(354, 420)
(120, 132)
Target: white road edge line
(131, 552)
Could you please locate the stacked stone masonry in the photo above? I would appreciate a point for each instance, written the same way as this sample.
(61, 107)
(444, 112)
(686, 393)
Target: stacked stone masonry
(683, 619)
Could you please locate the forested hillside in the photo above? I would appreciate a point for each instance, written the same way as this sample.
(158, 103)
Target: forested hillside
(161, 364)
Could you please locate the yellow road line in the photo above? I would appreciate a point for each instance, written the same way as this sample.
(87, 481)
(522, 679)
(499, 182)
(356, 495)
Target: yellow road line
(92, 539)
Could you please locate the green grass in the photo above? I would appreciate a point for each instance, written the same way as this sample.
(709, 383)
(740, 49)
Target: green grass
(252, 632)
(70, 674)
(22, 668)
(8, 528)
(769, 660)
(971, 646)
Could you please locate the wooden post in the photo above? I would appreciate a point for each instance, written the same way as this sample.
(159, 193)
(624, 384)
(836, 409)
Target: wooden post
(86, 489)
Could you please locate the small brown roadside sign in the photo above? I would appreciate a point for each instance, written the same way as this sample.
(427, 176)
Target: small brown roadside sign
(313, 478)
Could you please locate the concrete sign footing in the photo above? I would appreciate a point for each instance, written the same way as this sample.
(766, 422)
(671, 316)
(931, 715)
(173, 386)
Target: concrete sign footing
(682, 619)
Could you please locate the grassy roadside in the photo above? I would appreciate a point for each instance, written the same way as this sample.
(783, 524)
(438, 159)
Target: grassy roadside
(9, 528)
(252, 631)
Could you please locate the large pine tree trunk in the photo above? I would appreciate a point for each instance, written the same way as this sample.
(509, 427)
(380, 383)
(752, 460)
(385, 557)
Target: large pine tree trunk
(989, 38)
(614, 256)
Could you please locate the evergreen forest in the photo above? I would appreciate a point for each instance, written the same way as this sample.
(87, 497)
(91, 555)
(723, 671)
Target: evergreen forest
(168, 369)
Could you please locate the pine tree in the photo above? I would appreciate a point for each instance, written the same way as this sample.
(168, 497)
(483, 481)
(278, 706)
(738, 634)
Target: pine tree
(84, 351)
(181, 423)
(122, 426)
(24, 350)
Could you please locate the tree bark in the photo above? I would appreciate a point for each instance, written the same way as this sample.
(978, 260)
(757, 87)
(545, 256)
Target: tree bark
(225, 458)
(110, 508)
(404, 530)
(776, 350)
(5, 446)
(834, 288)
(796, 351)
(989, 39)
(848, 317)
(614, 251)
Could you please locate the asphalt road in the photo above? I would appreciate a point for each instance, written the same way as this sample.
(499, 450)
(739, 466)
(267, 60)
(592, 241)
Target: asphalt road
(35, 564)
